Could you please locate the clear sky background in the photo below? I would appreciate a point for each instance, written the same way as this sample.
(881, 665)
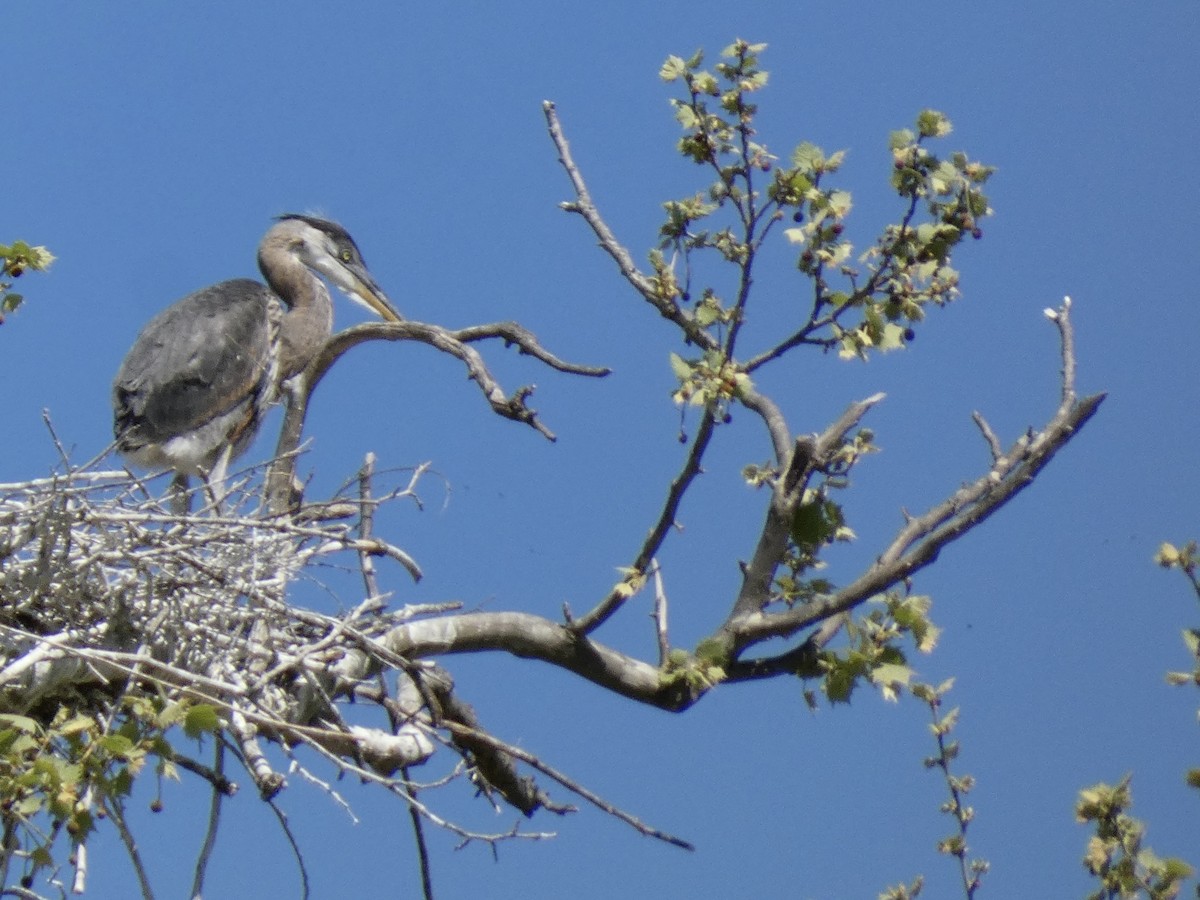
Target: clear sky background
(148, 145)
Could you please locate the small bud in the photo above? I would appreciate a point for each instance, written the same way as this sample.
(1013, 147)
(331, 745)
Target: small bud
(683, 437)
(156, 805)
(977, 233)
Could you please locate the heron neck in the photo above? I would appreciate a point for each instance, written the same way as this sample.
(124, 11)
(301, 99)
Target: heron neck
(308, 315)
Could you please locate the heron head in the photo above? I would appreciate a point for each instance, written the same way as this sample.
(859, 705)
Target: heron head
(327, 248)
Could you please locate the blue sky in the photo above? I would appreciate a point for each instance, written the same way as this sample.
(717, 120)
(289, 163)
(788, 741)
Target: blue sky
(148, 146)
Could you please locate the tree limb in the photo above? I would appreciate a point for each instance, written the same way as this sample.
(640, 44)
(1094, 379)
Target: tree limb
(585, 207)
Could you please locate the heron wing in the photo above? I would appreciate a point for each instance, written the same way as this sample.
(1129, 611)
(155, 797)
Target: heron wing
(194, 361)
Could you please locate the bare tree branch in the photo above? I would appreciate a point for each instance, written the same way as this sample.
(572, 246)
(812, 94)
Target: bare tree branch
(584, 206)
(283, 491)
(658, 532)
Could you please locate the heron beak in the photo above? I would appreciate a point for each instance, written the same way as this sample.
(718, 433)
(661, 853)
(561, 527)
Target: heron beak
(365, 291)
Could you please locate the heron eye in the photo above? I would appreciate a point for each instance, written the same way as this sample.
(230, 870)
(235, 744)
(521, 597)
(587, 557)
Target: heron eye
(346, 255)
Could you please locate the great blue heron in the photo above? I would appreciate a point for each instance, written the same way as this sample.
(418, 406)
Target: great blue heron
(192, 390)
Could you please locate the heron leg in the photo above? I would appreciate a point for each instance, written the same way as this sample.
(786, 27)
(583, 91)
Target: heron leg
(215, 477)
(181, 496)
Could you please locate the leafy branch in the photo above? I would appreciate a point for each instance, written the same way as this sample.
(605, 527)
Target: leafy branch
(972, 871)
(15, 260)
(1116, 855)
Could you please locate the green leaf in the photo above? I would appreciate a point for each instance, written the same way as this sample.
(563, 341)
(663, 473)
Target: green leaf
(712, 652)
(808, 157)
(20, 723)
(1191, 638)
(686, 115)
(200, 719)
(840, 203)
(892, 337)
(931, 123)
(1167, 555)
(76, 725)
(890, 677)
(681, 367)
(117, 744)
(674, 68)
(809, 527)
(943, 178)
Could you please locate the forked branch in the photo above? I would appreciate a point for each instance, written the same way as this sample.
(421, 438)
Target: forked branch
(283, 490)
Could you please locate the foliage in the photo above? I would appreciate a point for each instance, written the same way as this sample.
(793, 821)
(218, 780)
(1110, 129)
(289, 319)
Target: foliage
(955, 845)
(1186, 559)
(857, 305)
(15, 260)
(1115, 854)
(59, 778)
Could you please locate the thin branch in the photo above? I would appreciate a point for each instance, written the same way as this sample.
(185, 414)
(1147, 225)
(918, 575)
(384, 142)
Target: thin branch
(281, 817)
(985, 429)
(585, 207)
(660, 614)
(513, 333)
(281, 490)
(214, 819)
(117, 814)
(568, 783)
(658, 533)
(510, 407)
(418, 828)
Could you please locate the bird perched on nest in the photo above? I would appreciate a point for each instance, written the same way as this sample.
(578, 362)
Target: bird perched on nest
(192, 390)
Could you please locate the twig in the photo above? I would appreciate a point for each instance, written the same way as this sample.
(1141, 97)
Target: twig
(418, 829)
(281, 817)
(993, 442)
(117, 814)
(63, 456)
(214, 818)
(1062, 318)
(584, 206)
(660, 614)
(568, 783)
(654, 540)
(217, 780)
